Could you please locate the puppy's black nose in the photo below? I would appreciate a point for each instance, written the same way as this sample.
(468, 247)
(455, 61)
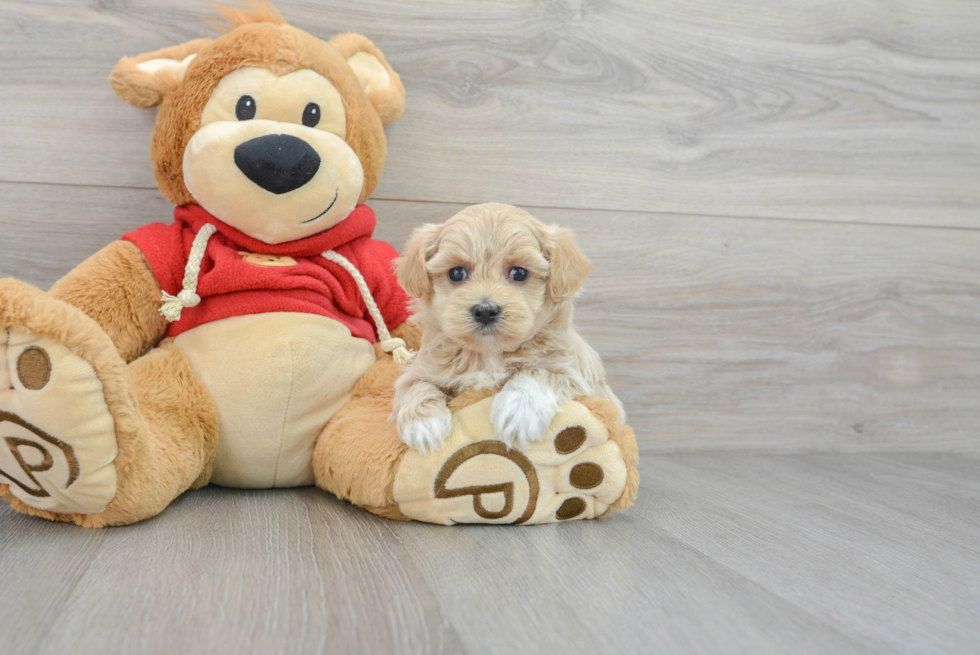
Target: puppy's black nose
(485, 313)
(277, 162)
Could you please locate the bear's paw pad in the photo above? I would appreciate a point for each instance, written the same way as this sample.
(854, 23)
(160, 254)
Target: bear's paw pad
(57, 436)
(574, 472)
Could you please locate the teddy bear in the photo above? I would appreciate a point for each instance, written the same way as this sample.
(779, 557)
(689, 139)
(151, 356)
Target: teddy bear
(254, 341)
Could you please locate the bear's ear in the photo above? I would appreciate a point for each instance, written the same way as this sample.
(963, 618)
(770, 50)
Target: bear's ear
(381, 83)
(143, 81)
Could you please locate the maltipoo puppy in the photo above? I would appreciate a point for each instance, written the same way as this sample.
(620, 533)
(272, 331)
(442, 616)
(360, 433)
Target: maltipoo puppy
(494, 291)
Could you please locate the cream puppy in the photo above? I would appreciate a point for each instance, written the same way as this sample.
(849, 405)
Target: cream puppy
(494, 291)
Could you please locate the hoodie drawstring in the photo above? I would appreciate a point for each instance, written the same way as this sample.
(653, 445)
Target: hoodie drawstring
(173, 305)
(397, 347)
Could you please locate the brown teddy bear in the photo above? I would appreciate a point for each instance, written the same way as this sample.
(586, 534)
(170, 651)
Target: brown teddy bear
(254, 341)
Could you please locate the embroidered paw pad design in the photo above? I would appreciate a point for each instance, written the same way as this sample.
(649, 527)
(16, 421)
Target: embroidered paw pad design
(57, 437)
(575, 472)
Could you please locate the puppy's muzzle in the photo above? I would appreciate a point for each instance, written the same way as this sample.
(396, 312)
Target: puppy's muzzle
(486, 314)
(278, 163)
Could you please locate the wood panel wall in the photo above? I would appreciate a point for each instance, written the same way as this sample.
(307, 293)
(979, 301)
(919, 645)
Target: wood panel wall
(782, 199)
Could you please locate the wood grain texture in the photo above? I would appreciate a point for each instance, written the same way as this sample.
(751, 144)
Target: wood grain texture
(722, 553)
(718, 333)
(849, 110)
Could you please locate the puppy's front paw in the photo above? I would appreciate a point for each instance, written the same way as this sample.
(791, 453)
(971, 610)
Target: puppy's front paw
(425, 428)
(522, 411)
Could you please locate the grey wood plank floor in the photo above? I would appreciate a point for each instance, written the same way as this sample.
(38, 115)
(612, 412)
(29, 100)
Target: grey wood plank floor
(734, 553)
(853, 110)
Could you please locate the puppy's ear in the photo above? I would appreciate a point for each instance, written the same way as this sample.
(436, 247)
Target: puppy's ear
(378, 79)
(143, 81)
(410, 267)
(569, 265)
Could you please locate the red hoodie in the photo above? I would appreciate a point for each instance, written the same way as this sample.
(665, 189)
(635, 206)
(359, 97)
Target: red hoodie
(292, 277)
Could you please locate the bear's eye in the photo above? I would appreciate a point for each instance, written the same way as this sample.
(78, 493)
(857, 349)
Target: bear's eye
(245, 109)
(518, 274)
(457, 274)
(311, 115)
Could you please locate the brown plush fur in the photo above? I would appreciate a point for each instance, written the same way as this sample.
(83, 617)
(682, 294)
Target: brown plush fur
(259, 40)
(30, 309)
(388, 103)
(258, 12)
(142, 89)
(117, 288)
(179, 431)
(360, 432)
(622, 435)
(166, 424)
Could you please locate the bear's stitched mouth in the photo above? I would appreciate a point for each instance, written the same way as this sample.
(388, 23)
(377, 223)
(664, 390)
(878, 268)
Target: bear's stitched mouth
(329, 207)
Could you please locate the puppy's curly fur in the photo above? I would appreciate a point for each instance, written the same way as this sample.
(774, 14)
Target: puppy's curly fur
(526, 274)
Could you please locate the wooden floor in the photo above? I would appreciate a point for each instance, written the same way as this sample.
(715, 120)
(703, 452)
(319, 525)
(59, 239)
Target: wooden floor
(730, 553)
(782, 201)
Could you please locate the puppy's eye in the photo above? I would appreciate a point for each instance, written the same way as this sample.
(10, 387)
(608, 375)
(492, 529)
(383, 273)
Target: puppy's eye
(457, 274)
(518, 274)
(245, 109)
(311, 115)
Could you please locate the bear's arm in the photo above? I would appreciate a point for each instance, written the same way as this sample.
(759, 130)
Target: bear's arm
(117, 288)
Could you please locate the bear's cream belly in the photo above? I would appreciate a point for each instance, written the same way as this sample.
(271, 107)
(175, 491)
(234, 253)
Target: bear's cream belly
(276, 380)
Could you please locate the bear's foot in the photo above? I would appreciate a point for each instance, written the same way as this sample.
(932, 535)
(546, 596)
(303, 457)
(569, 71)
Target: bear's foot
(577, 471)
(59, 440)
(57, 433)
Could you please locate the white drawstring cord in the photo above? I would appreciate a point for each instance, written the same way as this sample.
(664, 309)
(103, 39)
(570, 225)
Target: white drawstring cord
(187, 297)
(397, 347)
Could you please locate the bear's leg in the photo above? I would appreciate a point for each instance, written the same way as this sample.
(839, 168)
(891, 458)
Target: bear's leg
(586, 465)
(86, 438)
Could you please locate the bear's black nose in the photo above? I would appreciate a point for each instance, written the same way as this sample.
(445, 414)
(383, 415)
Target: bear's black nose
(278, 163)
